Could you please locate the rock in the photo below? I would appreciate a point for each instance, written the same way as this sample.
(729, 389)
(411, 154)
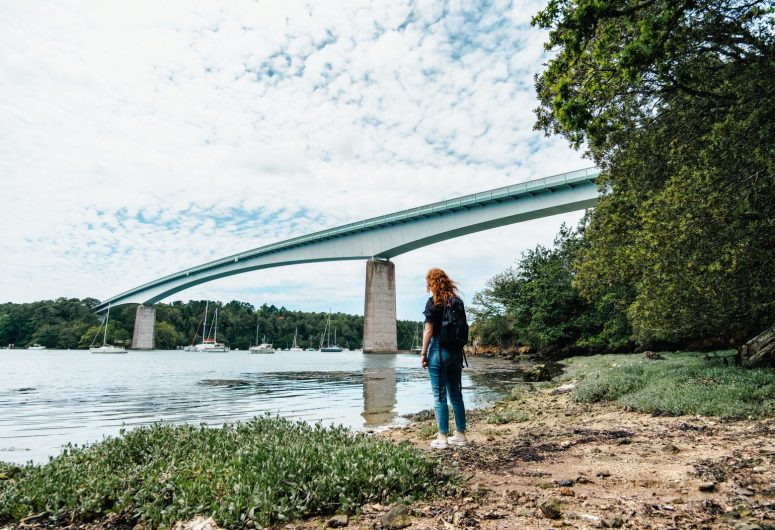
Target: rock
(338, 521)
(652, 356)
(550, 508)
(603, 473)
(567, 492)
(670, 448)
(537, 373)
(564, 389)
(566, 483)
(745, 492)
(613, 522)
(759, 469)
(396, 518)
(759, 352)
(747, 526)
(197, 523)
(707, 486)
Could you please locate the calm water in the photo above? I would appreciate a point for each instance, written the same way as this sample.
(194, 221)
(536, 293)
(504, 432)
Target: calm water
(50, 398)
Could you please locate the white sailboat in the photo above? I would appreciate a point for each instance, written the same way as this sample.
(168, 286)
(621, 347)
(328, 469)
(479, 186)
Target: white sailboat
(211, 344)
(327, 334)
(416, 341)
(208, 344)
(264, 347)
(295, 346)
(106, 348)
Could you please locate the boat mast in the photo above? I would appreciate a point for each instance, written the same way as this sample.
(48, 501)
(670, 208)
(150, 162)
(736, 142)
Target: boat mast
(204, 328)
(105, 334)
(215, 325)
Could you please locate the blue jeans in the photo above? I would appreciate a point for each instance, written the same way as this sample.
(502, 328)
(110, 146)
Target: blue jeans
(445, 372)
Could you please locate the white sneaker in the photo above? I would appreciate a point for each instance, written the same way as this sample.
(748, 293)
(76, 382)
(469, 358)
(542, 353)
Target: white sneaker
(440, 442)
(458, 439)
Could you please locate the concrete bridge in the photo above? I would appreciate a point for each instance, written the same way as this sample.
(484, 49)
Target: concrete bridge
(377, 240)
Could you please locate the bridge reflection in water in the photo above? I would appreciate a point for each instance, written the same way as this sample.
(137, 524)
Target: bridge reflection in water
(379, 395)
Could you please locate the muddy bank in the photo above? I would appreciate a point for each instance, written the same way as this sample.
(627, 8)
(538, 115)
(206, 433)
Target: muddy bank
(597, 466)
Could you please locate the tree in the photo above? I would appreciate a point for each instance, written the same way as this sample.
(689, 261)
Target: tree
(674, 100)
(535, 304)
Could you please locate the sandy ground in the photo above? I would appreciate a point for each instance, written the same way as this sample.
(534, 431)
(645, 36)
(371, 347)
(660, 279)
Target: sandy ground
(576, 465)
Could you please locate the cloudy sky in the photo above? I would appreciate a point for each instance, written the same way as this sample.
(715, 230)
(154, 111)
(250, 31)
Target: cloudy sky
(141, 138)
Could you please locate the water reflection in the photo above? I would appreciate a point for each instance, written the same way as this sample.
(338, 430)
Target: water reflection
(379, 396)
(51, 398)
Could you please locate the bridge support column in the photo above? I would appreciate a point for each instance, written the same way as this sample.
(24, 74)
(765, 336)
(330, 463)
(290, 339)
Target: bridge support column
(379, 314)
(145, 321)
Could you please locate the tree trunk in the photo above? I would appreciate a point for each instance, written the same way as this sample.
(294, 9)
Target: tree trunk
(759, 352)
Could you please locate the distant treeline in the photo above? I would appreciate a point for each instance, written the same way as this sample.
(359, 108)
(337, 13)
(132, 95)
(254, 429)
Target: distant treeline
(69, 323)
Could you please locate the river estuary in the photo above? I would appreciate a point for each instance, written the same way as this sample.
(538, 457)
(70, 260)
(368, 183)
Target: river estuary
(51, 398)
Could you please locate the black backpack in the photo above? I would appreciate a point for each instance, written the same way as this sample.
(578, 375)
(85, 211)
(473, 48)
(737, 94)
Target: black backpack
(454, 328)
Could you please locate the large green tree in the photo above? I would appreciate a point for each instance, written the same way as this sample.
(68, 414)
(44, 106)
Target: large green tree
(675, 101)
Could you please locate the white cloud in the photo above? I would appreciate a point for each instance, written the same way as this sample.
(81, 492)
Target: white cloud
(140, 138)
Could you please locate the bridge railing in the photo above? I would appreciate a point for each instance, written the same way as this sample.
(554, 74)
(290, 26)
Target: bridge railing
(513, 191)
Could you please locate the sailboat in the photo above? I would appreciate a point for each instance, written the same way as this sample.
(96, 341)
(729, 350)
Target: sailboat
(209, 344)
(106, 348)
(416, 341)
(295, 346)
(264, 347)
(327, 334)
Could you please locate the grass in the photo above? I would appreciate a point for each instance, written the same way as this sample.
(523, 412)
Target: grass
(258, 473)
(682, 383)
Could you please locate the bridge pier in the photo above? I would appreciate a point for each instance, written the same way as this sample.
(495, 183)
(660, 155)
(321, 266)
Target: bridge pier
(379, 314)
(145, 321)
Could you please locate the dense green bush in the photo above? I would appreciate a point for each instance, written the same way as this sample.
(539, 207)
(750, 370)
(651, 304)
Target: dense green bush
(682, 383)
(260, 472)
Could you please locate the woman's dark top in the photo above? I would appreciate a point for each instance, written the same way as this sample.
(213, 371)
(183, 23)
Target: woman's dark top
(433, 314)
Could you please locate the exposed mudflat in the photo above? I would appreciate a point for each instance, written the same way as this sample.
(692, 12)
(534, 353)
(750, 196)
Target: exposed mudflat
(598, 466)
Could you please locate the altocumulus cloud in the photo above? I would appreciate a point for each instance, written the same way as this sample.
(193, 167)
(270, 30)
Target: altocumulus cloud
(139, 138)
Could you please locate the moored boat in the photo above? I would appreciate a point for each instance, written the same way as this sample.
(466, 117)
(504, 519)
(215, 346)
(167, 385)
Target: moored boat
(106, 348)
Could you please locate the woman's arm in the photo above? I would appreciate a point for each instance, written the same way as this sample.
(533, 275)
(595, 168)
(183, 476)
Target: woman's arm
(427, 333)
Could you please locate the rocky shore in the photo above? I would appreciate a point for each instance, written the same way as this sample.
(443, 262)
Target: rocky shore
(564, 464)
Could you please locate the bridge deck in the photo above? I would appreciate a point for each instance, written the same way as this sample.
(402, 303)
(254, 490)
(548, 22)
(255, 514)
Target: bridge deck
(513, 192)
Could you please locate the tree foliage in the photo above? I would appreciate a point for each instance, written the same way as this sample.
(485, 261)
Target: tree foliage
(675, 101)
(70, 324)
(534, 303)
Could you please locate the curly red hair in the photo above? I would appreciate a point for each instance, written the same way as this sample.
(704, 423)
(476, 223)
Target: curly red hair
(441, 286)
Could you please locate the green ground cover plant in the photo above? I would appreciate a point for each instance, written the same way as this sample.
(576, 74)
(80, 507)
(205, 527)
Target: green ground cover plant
(682, 383)
(256, 473)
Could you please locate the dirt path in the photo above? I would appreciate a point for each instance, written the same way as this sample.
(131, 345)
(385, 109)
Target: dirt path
(594, 466)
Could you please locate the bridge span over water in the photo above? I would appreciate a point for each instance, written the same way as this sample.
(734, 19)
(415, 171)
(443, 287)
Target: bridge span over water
(377, 240)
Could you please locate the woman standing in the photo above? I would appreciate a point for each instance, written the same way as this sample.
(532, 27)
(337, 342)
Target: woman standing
(444, 366)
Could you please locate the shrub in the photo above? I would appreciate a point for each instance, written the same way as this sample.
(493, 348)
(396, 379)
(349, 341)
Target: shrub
(260, 472)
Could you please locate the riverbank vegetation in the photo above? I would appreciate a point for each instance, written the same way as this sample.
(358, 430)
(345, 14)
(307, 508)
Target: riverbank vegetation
(674, 101)
(257, 473)
(688, 383)
(69, 323)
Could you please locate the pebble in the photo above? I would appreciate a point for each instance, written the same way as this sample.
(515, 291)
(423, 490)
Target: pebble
(759, 469)
(708, 486)
(565, 483)
(742, 491)
(747, 526)
(670, 448)
(550, 508)
(603, 473)
(338, 521)
(613, 522)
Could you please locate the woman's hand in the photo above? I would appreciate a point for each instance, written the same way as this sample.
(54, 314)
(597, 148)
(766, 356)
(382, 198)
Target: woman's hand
(424, 360)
